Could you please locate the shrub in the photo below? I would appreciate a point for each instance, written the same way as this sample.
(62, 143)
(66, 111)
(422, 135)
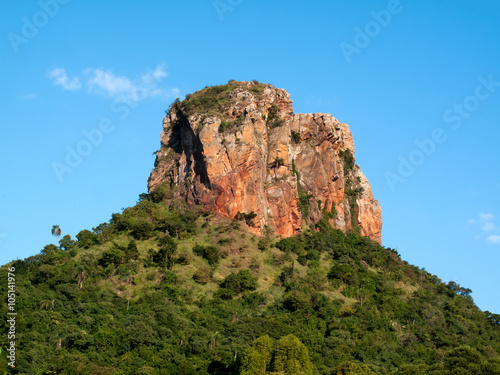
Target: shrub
(225, 125)
(210, 253)
(113, 256)
(224, 294)
(313, 255)
(273, 118)
(141, 229)
(131, 252)
(162, 192)
(246, 218)
(185, 258)
(295, 137)
(239, 282)
(290, 244)
(203, 275)
(263, 243)
(254, 299)
(348, 159)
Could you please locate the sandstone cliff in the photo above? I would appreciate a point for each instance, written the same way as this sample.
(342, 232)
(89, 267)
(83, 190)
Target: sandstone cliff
(240, 148)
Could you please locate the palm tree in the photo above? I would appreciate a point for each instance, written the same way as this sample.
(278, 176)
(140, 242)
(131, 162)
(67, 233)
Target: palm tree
(276, 163)
(56, 231)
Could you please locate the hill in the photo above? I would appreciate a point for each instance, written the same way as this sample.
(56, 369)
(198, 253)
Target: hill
(161, 289)
(256, 251)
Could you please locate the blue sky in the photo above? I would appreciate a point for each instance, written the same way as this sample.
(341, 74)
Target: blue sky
(84, 86)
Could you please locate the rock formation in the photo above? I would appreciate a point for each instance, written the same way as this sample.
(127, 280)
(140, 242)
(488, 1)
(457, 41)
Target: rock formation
(239, 148)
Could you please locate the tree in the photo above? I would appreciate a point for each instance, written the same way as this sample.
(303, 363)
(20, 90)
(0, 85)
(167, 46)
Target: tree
(258, 357)
(141, 229)
(292, 357)
(56, 231)
(112, 256)
(276, 163)
(86, 238)
(464, 360)
(240, 282)
(352, 368)
(289, 357)
(246, 218)
(210, 253)
(66, 242)
(132, 252)
(167, 252)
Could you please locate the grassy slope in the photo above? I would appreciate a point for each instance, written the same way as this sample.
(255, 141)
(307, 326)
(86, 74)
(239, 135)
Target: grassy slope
(350, 301)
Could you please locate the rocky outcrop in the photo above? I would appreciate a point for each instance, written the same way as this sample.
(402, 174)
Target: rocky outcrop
(239, 148)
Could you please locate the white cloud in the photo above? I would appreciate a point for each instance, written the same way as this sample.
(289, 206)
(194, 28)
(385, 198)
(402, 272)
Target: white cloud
(60, 78)
(488, 227)
(106, 83)
(494, 239)
(486, 217)
(470, 221)
(154, 75)
(110, 84)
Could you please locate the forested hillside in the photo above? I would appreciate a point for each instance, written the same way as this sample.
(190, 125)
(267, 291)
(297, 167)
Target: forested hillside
(166, 290)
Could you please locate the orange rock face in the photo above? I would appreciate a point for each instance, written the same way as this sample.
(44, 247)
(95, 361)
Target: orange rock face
(253, 154)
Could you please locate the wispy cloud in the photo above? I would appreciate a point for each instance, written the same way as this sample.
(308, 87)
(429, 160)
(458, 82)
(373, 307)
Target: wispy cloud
(60, 78)
(487, 225)
(108, 84)
(486, 217)
(494, 239)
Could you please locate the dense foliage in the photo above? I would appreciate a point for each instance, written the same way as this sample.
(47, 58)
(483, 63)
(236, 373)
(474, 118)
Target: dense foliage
(213, 100)
(166, 290)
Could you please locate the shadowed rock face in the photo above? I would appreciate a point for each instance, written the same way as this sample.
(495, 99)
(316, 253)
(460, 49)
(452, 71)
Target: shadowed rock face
(240, 148)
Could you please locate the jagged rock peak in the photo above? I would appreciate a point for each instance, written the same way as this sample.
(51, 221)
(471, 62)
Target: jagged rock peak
(239, 148)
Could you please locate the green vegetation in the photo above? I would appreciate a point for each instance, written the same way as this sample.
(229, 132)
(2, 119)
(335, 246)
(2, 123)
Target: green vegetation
(225, 125)
(213, 100)
(352, 189)
(295, 137)
(327, 215)
(276, 163)
(289, 356)
(273, 118)
(188, 293)
(246, 218)
(348, 159)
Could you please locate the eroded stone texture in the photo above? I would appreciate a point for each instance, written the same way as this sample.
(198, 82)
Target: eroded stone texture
(263, 163)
